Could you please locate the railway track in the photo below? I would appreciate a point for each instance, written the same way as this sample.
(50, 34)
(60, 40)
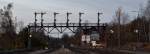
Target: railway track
(72, 50)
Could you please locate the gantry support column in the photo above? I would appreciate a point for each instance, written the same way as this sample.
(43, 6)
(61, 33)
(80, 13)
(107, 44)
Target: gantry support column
(80, 14)
(42, 13)
(35, 18)
(67, 23)
(55, 19)
(98, 22)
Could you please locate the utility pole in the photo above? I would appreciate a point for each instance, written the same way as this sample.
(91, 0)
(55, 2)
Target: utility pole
(119, 16)
(138, 25)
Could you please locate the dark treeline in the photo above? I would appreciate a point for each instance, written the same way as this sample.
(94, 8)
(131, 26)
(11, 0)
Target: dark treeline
(9, 39)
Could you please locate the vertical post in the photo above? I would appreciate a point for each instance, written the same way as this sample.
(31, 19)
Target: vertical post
(67, 23)
(29, 42)
(36, 19)
(55, 19)
(119, 16)
(80, 14)
(137, 33)
(138, 38)
(29, 38)
(35, 23)
(42, 13)
(149, 31)
(98, 18)
(138, 28)
(111, 39)
(98, 22)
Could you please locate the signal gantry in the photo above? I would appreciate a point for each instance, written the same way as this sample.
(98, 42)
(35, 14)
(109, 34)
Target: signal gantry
(61, 27)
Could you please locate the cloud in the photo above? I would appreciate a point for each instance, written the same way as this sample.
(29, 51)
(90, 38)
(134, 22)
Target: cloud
(24, 8)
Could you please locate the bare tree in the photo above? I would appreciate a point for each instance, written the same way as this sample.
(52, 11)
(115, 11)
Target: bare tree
(147, 10)
(124, 18)
(120, 16)
(7, 28)
(147, 15)
(120, 19)
(7, 23)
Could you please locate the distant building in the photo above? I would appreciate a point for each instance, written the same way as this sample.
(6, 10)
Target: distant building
(86, 38)
(95, 36)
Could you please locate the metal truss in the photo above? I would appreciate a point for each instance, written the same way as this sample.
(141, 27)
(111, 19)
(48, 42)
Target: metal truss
(61, 27)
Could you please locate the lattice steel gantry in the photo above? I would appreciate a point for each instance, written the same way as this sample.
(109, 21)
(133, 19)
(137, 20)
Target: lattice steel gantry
(61, 27)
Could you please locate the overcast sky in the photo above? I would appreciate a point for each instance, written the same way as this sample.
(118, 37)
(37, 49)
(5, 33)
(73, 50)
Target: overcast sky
(24, 9)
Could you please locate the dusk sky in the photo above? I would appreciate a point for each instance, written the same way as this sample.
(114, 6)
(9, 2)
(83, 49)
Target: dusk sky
(24, 9)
